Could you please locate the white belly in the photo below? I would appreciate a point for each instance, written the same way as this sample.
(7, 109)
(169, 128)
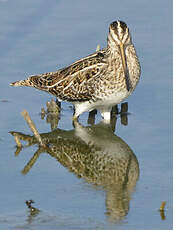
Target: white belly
(113, 100)
(105, 104)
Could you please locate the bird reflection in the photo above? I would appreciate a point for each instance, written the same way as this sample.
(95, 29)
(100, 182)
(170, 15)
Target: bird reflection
(95, 154)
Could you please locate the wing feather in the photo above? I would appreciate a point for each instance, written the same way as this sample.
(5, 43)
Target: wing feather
(73, 83)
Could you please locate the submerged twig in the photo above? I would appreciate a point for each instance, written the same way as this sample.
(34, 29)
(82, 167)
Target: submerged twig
(162, 210)
(98, 48)
(52, 113)
(17, 140)
(31, 162)
(162, 206)
(32, 127)
(18, 150)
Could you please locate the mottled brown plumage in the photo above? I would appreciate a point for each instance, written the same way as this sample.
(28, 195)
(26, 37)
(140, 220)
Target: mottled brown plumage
(98, 81)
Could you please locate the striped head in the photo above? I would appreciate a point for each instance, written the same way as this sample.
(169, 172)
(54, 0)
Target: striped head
(119, 34)
(119, 38)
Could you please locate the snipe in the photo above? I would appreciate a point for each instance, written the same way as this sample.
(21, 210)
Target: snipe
(98, 81)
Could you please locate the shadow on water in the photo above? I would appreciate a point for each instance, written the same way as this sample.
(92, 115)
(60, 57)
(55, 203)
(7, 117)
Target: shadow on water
(95, 154)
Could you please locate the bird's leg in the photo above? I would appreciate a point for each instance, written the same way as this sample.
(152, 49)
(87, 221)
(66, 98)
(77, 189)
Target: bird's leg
(75, 116)
(74, 120)
(106, 114)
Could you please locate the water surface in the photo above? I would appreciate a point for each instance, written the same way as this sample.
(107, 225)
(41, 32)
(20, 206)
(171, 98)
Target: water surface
(41, 36)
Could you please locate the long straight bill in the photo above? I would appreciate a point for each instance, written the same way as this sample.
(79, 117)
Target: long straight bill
(126, 73)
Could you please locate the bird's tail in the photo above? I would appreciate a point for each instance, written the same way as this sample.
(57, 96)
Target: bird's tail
(26, 82)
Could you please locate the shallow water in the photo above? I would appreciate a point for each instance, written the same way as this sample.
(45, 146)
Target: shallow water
(41, 36)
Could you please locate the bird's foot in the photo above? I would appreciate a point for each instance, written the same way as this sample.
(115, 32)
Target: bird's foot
(75, 120)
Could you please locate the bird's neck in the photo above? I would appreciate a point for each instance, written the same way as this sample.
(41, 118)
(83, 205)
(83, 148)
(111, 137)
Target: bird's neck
(112, 48)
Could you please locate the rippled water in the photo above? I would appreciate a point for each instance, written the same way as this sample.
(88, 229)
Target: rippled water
(89, 176)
